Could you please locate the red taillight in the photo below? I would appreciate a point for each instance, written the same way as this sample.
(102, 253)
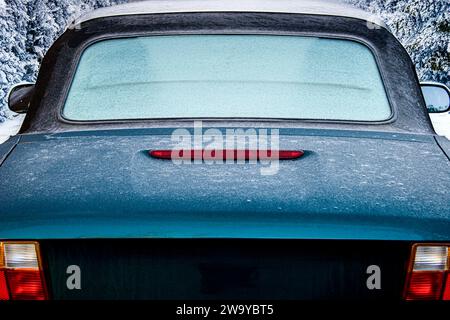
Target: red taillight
(21, 275)
(425, 285)
(203, 154)
(446, 294)
(26, 285)
(4, 293)
(428, 271)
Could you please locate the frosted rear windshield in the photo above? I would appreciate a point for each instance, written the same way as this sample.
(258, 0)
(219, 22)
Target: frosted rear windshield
(227, 76)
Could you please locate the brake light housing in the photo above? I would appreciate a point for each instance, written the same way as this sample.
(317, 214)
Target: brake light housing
(226, 154)
(21, 272)
(428, 273)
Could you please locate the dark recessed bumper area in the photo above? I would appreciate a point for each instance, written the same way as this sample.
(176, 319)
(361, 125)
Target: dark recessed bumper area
(225, 269)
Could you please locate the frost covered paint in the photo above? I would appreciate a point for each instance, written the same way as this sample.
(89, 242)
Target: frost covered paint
(348, 185)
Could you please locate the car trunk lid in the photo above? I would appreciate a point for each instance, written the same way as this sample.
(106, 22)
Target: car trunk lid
(347, 185)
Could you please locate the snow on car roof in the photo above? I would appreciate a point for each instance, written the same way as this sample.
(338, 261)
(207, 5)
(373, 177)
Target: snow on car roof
(315, 7)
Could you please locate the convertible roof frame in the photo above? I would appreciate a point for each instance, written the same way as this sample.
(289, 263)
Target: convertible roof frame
(311, 7)
(60, 62)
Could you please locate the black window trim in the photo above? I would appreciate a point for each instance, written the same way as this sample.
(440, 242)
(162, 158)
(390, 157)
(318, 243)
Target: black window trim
(72, 70)
(397, 70)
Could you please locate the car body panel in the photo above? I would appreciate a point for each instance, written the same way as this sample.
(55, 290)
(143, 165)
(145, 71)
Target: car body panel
(7, 147)
(444, 144)
(349, 185)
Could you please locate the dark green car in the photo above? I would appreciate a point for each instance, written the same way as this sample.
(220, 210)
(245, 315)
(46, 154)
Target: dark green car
(278, 150)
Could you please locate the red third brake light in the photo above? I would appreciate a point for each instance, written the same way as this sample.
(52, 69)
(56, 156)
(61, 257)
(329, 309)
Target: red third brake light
(21, 275)
(428, 275)
(226, 154)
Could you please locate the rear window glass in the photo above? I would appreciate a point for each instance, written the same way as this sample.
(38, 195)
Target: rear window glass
(227, 76)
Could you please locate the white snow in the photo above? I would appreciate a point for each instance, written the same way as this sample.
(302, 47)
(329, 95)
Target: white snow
(10, 127)
(441, 123)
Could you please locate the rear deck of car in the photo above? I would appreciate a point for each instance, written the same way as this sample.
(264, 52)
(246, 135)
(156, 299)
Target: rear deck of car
(147, 228)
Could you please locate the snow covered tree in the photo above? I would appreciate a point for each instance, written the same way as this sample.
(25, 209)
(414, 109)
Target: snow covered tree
(27, 30)
(423, 27)
(13, 56)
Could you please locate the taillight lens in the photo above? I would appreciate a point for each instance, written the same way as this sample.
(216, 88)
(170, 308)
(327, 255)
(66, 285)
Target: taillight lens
(446, 295)
(4, 293)
(21, 274)
(428, 274)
